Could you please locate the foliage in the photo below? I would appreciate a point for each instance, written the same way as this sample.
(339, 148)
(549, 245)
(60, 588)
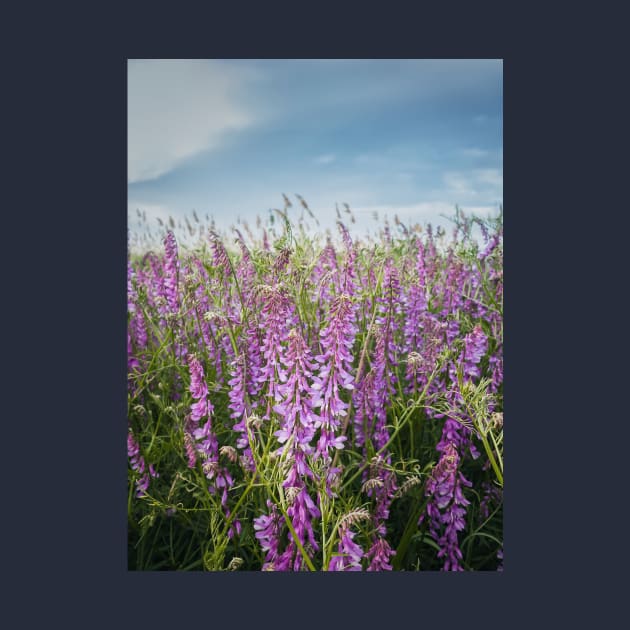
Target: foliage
(299, 403)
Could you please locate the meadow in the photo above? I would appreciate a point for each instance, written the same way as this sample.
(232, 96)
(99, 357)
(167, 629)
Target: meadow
(302, 400)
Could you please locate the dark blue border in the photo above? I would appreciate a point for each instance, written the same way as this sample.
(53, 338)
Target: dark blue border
(65, 284)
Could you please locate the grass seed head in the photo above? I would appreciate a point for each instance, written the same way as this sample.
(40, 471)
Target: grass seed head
(291, 492)
(351, 518)
(229, 452)
(235, 564)
(496, 420)
(254, 421)
(411, 482)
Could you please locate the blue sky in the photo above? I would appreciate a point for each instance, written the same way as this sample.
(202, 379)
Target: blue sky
(228, 137)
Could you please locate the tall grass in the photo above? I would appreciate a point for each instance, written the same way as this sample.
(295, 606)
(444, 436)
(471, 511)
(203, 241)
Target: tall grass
(300, 402)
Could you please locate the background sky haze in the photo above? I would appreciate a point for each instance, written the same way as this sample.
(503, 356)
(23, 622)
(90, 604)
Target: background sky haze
(227, 137)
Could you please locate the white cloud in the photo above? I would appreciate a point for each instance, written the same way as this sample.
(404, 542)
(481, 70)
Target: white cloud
(325, 159)
(464, 185)
(177, 109)
(459, 184)
(490, 176)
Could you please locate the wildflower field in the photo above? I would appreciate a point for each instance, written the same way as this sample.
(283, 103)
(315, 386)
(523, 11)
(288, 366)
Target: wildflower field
(300, 401)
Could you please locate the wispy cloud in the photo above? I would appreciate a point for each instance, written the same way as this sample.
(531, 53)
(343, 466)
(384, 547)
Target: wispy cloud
(325, 159)
(177, 109)
(490, 176)
(464, 185)
(459, 184)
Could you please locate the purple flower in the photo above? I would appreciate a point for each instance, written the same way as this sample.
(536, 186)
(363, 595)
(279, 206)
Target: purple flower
(495, 362)
(268, 528)
(382, 491)
(274, 324)
(416, 306)
(295, 435)
(206, 325)
(296, 395)
(349, 554)
(136, 461)
(220, 256)
(372, 396)
(205, 441)
(132, 362)
(335, 373)
(476, 346)
(380, 485)
(140, 329)
(452, 330)
(137, 325)
(491, 246)
(325, 275)
(238, 407)
(254, 360)
(379, 556)
(302, 513)
(451, 286)
(199, 389)
(447, 507)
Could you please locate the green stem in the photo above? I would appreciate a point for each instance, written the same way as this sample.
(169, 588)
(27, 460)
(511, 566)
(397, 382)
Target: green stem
(405, 416)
